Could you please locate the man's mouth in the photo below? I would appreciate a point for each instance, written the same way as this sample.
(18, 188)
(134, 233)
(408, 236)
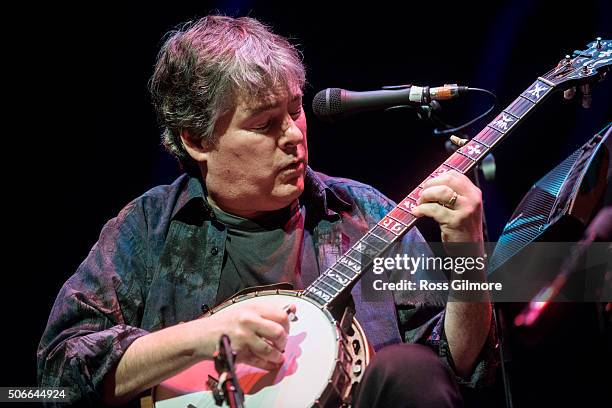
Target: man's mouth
(297, 167)
(296, 164)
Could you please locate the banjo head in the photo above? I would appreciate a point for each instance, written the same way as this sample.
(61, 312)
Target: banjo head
(316, 368)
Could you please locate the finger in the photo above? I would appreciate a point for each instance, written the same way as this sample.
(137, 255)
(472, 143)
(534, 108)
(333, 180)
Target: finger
(453, 179)
(265, 351)
(278, 315)
(247, 357)
(290, 310)
(273, 332)
(441, 214)
(436, 194)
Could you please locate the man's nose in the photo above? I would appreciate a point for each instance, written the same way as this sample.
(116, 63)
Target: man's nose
(291, 134)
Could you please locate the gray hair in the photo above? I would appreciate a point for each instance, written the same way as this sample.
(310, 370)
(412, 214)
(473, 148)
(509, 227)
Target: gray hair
(205, 65)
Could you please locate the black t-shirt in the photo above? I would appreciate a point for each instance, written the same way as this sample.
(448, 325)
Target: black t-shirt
(270, 249)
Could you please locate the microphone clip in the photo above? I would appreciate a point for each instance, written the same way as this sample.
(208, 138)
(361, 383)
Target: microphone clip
(423, 111)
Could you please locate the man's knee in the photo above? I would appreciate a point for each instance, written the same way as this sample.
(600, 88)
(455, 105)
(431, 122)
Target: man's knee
(408, 375)
(413, 360)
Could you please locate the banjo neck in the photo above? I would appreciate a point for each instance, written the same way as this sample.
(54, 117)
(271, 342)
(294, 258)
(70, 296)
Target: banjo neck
(340, 277)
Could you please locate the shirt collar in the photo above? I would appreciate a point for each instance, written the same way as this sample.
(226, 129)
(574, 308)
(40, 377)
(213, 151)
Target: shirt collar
(316, 193)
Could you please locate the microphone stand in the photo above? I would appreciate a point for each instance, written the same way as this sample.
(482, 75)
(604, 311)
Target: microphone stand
(228, 389)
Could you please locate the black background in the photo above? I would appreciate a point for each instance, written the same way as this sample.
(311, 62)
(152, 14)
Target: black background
(80, 139)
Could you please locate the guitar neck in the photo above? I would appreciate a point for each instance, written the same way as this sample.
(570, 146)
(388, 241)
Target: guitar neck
(345, 272)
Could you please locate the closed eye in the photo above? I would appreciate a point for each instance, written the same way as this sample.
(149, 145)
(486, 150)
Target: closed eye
(262, 127)
(296, 114)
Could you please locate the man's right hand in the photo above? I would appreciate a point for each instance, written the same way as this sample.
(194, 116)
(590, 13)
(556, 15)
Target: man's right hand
(258, 334)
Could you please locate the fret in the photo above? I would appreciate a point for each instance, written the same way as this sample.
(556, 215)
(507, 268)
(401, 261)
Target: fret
(437, 172)
(317, 295)
(332, 283)
(339, 276)
(348, 273)
(359, 256)
(375, 242)
(382, 233)
(349, 263)
(465, 155)
(520, 107)
(537, 91)
(488, 137)
(503, 122)
(345, 270)
(473, 150)
(483, 146)
(406, 205)
(416, 193)
(441, 170)
(459, 163)
(322, 289)
(392, 225)
(450, 165)
(401, 214)
(390, 216)
(366, 249)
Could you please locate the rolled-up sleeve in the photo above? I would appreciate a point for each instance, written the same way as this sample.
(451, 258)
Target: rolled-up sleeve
(97, 312)
(424, 324)
(421, 318)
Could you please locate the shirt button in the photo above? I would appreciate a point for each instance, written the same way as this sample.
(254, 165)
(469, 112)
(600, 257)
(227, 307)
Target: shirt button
(214, 250)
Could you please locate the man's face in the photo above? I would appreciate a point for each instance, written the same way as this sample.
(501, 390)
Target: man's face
(259, 161)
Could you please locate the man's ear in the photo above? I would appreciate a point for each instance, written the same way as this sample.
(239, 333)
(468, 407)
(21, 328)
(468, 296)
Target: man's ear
(197, 148)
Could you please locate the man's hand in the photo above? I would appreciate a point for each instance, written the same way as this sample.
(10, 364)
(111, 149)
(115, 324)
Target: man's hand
(460, 218)
(258, 334)
(456, 204)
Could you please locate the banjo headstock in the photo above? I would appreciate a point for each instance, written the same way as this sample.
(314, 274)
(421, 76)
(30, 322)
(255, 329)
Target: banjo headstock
(582, 69)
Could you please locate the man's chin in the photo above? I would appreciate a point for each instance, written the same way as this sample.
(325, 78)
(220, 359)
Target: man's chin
(290, 190)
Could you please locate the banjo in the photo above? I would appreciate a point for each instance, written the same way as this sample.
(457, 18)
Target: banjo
(325, 357)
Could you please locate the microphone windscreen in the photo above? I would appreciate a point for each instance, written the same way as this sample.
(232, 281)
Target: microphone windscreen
(327, 104)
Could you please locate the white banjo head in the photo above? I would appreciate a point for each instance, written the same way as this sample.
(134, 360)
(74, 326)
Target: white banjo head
(310, 359)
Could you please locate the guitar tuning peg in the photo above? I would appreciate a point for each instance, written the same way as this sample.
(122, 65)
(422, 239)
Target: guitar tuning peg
(569, 93)
(586, 95)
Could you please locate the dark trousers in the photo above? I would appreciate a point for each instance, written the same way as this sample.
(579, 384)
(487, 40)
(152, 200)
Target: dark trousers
(407, 375)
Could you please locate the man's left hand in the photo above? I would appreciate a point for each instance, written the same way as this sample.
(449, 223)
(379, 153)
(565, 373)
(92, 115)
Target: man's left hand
(456, 204)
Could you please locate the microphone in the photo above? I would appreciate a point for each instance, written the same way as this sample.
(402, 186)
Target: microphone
(334, 103)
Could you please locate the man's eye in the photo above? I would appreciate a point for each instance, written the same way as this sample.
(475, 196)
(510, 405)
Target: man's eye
(296, 114)
(263, 126)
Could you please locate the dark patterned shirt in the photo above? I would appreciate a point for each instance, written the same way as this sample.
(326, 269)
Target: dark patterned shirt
(160, 260)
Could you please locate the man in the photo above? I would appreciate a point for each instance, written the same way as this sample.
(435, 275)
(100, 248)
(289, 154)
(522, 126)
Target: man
(249, 211)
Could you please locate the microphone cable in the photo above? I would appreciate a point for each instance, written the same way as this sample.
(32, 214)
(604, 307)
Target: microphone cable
(454, 129)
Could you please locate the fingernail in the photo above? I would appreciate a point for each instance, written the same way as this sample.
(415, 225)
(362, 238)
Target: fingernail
(290, 314)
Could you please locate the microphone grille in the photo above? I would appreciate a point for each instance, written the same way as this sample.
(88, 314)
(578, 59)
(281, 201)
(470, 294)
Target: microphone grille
(327, 104)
